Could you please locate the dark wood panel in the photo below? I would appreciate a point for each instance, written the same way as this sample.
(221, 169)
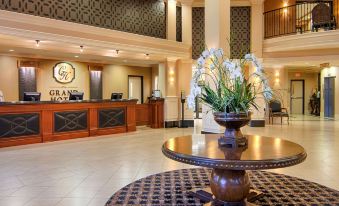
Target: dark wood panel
(142, 114)
(78, 119)
(113, 117)
(68, 121)
(16, 125)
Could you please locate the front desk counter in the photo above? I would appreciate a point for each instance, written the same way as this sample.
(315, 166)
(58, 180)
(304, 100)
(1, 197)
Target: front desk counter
(35, 122)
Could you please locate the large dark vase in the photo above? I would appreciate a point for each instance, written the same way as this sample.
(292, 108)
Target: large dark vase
(233, 122)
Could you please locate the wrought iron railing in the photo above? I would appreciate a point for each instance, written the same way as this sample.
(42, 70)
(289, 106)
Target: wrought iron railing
(295, 18)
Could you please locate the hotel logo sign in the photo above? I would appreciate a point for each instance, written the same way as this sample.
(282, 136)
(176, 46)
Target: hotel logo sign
(64, 73)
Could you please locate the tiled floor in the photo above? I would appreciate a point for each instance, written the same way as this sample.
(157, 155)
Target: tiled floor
(88, 171)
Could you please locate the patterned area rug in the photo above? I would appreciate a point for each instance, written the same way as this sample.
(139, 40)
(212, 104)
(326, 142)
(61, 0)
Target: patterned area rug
(170, 188)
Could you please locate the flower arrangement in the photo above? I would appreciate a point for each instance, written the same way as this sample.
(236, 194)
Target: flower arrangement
(221, 83)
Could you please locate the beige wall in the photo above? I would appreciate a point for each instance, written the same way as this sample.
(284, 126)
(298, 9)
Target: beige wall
(330, 72)
(46, 82)
(9, 80)
(115, 79)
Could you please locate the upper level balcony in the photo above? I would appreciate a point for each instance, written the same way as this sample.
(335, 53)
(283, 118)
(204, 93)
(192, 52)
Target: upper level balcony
(302, 17)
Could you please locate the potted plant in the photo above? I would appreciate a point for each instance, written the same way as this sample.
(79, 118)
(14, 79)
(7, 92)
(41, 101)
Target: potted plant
(222, 85)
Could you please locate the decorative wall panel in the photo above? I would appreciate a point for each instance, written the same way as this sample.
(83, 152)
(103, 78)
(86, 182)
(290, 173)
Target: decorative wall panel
(198, 31)
(70, 121)
(16, 125)
(240, 31)
(179, 24)
(144, 17)
(111, 117)
(95, 78)
(27, 81)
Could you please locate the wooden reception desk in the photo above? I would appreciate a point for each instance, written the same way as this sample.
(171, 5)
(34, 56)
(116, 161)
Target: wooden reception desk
(35, 122)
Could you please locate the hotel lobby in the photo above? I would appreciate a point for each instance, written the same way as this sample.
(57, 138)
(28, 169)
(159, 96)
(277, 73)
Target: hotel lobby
(169, 102)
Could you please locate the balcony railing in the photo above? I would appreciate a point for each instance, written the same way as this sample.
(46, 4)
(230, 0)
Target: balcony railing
(295, 18)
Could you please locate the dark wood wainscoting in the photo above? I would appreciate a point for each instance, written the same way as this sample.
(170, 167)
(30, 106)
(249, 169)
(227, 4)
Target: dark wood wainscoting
(150, 114)
(34, 122)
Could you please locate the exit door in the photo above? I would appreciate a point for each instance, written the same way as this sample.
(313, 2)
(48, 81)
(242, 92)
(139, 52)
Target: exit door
(329, 91)
(297, 97)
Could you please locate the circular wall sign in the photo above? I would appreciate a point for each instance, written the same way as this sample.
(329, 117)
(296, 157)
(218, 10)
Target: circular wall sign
(64, 72)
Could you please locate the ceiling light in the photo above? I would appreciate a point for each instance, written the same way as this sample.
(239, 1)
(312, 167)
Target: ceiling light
(37, 43)
(81, 49)
(76, 56)
(117, 51)
(147, 56)
(11, 50)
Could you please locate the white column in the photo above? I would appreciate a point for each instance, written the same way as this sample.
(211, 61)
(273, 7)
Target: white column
(217, 34)
(257, 38)
(186, 8)
(171, 20)
(257, 27)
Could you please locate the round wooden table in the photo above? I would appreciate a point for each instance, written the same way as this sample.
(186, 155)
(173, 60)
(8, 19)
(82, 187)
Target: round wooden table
(229, 183)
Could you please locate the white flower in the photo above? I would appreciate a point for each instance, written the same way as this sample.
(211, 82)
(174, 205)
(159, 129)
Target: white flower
(229, 65)
(249, 57)
(191, 101)
(201, 61)
(212, 50)
(212, 66)
(236, 74)
(219, 53)
(205, 54)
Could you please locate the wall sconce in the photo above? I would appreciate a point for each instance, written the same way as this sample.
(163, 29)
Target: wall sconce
(277, 73)
(277, 80)
(285, 7)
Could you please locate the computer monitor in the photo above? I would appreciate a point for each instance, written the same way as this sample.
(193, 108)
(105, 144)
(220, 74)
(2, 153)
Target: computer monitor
(32, 96)
(116, 96)
(76, 96)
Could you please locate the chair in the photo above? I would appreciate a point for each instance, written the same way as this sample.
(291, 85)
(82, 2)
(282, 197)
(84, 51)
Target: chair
(322, 17)
(275, 110)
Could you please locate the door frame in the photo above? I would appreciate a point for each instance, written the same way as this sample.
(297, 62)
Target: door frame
(142, 86)
(297, 80)
(324, 97)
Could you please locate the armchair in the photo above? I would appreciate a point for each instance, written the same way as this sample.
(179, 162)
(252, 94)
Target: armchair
(275, 110)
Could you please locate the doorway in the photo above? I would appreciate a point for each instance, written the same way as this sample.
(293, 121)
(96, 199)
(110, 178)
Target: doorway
(329, 92)
(297, 97)
(136, 88)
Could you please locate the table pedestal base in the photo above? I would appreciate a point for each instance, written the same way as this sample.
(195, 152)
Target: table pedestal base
(206, 196)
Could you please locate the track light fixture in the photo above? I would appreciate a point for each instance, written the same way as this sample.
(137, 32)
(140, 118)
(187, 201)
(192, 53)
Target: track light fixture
(37, 43)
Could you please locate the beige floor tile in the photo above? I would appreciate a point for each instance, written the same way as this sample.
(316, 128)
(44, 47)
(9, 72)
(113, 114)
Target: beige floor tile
(74, 202)
(43, 202)
(89, 170)
(14, 201)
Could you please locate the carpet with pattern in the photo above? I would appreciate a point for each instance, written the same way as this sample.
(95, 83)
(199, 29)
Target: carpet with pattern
(171, 188)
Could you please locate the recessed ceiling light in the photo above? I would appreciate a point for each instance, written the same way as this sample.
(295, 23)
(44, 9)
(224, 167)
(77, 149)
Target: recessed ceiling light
(11, 50)
(37, 43)
(76, 56)
(81, 49)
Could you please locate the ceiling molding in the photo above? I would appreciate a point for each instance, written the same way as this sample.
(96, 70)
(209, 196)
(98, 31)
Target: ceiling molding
(45, 29)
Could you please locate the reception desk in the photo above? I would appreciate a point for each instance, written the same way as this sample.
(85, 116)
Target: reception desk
(36, 122)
